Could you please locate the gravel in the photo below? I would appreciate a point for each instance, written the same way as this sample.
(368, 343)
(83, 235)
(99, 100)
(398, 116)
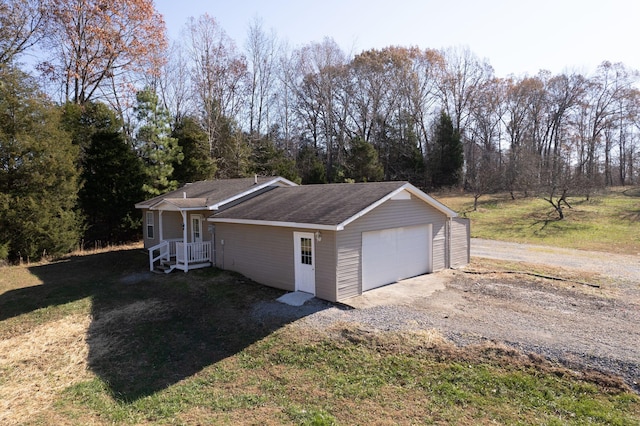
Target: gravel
(576, 326)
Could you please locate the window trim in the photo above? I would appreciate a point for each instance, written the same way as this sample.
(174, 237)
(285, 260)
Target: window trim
(150, 226)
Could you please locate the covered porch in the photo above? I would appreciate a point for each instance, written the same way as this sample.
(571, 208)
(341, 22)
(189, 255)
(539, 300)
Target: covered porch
(175, 254)
(187, 251)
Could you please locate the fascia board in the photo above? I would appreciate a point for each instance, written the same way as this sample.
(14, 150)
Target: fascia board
(275, 224)
(406, 187)
(250, 191)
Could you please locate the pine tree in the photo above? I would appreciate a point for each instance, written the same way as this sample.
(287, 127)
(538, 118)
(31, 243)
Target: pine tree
(82, 121)
(197, 163)
(446, 157)
(362, 162)
(268, 160)
(113, 179)
(310, 166)
(38, 174)
(158, 150)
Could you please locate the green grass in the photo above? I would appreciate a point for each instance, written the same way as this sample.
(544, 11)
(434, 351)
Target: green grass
(609, 221)
(185, 349)
(312, 378)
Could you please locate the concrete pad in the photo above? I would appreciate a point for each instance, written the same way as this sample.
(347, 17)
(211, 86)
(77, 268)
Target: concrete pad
(405, 292)
(296, 298)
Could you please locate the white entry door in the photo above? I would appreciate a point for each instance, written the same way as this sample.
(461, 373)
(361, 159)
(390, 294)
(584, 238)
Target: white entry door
(196, 228)
(305, 268)
(390, 255)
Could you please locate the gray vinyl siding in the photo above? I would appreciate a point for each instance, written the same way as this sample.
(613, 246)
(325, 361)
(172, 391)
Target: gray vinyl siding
(265, 254)
(326, 259)
(172, 226)
(150, 242)
(460, 242)
(391, 214)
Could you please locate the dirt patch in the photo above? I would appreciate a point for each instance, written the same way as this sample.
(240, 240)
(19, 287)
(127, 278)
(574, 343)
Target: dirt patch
(592, 329)
(568, 324)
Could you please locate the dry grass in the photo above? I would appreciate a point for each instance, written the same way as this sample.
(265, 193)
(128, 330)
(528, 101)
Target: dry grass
(606, 222)
(38, 365)
(96, 340)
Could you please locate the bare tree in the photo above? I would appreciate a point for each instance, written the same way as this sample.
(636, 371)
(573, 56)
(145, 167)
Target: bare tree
(21, 26)
(484, 157)
(174, 84)
(217, 73)
(262, 60)
(320, 98)
(96, 46)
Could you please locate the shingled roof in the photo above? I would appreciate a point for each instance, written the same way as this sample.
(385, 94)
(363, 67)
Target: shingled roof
(207, 194)
(329, 205)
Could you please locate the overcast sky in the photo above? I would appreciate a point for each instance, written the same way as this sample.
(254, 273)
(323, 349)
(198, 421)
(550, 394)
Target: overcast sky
(516, 37)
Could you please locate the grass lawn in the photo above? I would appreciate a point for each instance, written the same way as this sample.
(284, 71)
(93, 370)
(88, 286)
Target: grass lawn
(609, 221)
(96, 339)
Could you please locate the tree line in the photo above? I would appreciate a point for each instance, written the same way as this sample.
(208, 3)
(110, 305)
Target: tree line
(106, 112)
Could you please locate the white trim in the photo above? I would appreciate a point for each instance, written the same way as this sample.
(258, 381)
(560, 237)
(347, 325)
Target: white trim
(302, 271)
(200, 221)
(253, 189)
(184, 240)
(275, 223)
(167, 205)
(406, 187)
(158, 204)
(146, 225)
(430, 200)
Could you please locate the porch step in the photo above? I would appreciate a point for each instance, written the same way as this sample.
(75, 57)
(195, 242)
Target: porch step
(165, 267)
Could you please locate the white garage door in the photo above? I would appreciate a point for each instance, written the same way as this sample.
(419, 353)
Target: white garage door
(393, 254)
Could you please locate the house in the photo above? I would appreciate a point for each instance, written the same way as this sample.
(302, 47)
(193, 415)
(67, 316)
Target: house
(334, 241)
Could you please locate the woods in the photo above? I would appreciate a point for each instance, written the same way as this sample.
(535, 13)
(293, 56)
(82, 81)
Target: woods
(111, 89)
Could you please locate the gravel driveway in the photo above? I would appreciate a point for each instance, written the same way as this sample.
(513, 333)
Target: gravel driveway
(578, 326)
(626, 267)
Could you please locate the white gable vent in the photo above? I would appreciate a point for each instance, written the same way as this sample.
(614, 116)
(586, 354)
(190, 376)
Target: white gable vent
(402, 195)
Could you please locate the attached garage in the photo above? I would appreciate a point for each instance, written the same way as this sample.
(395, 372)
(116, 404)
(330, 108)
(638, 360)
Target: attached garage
(390, 255)
(337, 241)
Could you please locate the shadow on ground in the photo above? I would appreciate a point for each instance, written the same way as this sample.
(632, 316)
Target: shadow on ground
(150, 331)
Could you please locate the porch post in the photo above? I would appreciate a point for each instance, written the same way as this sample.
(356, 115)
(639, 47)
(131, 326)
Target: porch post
(184, 239)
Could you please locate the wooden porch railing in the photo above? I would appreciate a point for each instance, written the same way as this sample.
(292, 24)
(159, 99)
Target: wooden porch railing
(196, 253)
(163, 253)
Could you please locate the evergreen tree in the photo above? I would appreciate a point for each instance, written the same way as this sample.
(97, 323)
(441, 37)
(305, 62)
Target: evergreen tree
(362, 162)
(268, 160)
(113, 179)
(158, 150)
(231, 150)
(405, 160)
(197, 163)
(310, 167)
(38, 174)
(446, 157)
(82, 121)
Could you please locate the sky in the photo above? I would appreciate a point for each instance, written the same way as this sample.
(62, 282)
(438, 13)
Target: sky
(515, 36)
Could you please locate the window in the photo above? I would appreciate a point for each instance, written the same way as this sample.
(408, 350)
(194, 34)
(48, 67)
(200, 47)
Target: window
(196, 228)
(150, 225)
(305, 251)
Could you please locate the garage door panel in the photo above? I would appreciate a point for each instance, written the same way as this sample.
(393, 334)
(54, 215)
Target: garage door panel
(412, 247)
(393, 254)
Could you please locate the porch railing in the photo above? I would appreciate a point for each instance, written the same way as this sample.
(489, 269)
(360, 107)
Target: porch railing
(163, 253)
(172, 245)
(196, 252)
